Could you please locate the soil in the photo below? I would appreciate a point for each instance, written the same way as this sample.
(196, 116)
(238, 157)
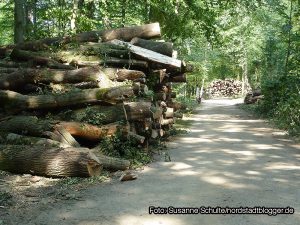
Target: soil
(228, 158)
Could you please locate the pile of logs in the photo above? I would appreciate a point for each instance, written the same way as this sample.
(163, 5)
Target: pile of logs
(253, 97)
(226, 88)
(61, 96)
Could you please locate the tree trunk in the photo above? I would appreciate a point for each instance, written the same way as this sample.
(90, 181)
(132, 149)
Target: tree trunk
(13, 101)
(51, 162)
(21, 55)
(165, 48)
(73, 21)
(19, 21)
(20, 78)
(155, 58)
(111, 163)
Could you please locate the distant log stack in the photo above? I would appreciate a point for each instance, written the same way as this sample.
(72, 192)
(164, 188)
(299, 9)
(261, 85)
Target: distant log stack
(113, 82)
(226, 88)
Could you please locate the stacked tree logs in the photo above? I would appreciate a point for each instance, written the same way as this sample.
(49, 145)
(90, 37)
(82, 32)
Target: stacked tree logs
(253, 97)
(61, 96)
(226, 88)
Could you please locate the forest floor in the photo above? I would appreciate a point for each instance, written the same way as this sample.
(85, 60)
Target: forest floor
(228, 158)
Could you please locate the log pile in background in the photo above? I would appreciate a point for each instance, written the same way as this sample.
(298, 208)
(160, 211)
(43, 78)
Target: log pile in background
(60, 103)
(226, 88)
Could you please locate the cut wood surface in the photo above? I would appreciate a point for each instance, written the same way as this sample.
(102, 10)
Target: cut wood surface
(165, 48)
(16, 102)
(52, 162)
(169, 113)
(92, 132)
(154, 57)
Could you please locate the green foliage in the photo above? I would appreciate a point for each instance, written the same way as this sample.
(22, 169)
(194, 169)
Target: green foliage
(118, 146)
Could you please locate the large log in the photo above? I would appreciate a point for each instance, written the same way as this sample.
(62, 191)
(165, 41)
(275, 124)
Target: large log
(127, 63)
(52, 162)
(37, 60)
(20, 78)
(111, 163)
(123, 74)
(126, 34)
(91, 132)
(165, 48)
(33, 126)
(155, 58)
(13, 101)
(131, 111)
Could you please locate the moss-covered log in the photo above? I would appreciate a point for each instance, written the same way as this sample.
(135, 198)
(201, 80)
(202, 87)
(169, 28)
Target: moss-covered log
(17, 139)
(52, 162)
(131, 111)
(13, 101)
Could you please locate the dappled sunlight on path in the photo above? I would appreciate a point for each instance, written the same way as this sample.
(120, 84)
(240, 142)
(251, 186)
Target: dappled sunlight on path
(227, 159)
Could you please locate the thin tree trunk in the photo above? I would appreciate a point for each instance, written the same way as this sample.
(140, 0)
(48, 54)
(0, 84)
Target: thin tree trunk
(74, 16)
(19, 18)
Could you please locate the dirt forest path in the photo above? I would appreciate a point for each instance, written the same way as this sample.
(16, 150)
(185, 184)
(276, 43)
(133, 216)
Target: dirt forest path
(227, 159)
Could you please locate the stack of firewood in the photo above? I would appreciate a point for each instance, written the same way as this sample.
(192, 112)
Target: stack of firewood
(61, 96)
(226, 88)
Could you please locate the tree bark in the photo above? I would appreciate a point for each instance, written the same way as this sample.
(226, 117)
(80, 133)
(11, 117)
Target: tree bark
(111, 163)
(51, 162)
(131, 111)
(165, 48)
(13, 101)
